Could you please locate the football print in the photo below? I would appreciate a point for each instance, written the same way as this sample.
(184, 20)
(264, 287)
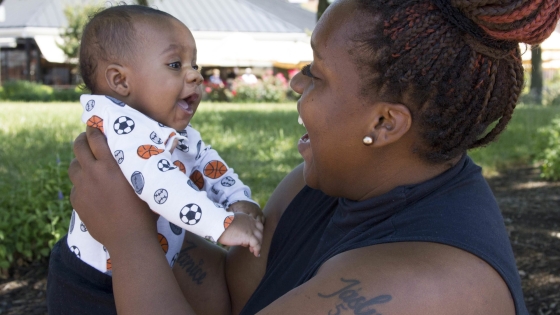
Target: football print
(96, 122)
(90, 105)
(155, 138)
(160, 196)
(72, 221)
(116, 101)
(228, 221)
(246, 193)
(119, 156)
(123, 125)
(182, 145)
(175, 229)
(214, 169)
(146, 151)
(163, 242)
(228, 181)
(197, 179)
(83, 227)
(190, 214)
(164, 165)
(161, 125)
(198, 144)
(181, 166)
(190, 183)
(76, 251)
(137, 181)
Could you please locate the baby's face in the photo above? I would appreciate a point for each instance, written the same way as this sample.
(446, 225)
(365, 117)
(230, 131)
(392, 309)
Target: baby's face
(165, 83)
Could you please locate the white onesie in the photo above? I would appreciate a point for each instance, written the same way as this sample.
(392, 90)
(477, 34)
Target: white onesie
(175, 173)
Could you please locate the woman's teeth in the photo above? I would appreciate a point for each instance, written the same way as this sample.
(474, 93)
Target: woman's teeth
(300, 121)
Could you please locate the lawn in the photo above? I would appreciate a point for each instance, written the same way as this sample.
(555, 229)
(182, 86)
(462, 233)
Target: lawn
(257, 140)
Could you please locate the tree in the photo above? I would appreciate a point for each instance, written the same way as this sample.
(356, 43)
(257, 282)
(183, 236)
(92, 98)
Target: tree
(142, 2)
(323, 5)
(77, 17)
(536, 90)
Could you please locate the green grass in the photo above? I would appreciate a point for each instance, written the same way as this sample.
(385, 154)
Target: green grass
(257, 140)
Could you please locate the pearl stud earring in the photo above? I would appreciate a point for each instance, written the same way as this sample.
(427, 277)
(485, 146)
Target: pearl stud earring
(367, 140)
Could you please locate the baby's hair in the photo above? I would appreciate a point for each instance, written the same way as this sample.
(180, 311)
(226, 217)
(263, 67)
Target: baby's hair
(455, 63)
(110, 36)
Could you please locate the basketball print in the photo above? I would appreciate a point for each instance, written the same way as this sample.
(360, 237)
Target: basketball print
(109, 266)
(163, 241)
(181, 166)
(90, 105)
(123, 125)
(228, 181)
(160, 196)
(197, 179)
(119, 156)
(146, 151)
(173, 134)
(190, 214)
(83, 227)
(96, 122)
(214, 169)
(72, 221)
(137, 181)
(155, 138)
(76, 251)
(228, 221)
(175, 229)
(116, 101)
(182, 145)
(164, 165)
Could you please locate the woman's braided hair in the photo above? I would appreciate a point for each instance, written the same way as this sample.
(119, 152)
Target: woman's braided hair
(455, 63)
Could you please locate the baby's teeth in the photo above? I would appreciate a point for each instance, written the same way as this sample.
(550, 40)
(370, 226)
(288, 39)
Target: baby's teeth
(300, 121)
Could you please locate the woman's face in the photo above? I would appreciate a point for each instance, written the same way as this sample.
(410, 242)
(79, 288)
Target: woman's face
(331, 107)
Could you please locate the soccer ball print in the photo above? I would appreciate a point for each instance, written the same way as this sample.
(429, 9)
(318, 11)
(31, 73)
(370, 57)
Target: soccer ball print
(76, 251)
(123, 125)
(164, 165)
(160, 196)
(228, 181)
(116, 101)
(182, 145)
(175, 229)
(119, 156)
(190, 214)
(155, 138)
(137, 180)
(90, 105)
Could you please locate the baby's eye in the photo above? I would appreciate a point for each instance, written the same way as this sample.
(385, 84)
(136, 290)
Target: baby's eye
(306, 71)
(195, 67)
(175, 65)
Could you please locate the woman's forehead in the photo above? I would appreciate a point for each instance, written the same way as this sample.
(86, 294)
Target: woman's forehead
(335, 28)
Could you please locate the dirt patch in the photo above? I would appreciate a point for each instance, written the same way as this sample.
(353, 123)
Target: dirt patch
(531, 209)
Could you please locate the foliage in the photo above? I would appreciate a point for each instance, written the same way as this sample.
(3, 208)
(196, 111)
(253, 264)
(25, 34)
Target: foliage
(271, 89)
(77, 17)
(33, 92)
(550, 168)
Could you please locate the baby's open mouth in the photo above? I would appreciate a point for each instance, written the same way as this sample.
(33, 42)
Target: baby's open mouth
(189, 103)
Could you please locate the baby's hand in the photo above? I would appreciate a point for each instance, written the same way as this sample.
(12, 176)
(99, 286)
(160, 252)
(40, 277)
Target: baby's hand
(244, 231)
(247, 208)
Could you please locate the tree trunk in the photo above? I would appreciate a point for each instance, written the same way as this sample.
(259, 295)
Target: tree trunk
(142, 2)
(536, 75)
(323, 4)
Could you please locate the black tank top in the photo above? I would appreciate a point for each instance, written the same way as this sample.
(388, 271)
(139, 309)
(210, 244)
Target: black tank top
(456, 208)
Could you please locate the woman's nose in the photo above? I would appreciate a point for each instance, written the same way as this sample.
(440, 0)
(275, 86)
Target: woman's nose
(298, 83)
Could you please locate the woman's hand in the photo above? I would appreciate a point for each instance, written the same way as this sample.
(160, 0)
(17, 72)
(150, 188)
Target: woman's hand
(102, 196)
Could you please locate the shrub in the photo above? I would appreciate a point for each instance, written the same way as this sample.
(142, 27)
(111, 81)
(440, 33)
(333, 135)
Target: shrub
(550, 168)
(33, 92)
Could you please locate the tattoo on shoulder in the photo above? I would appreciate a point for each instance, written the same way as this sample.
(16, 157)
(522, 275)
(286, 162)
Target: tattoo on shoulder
(353, 300)
(189, 264)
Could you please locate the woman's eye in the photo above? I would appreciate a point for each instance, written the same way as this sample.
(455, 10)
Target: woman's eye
(175, 65)
(306, 71)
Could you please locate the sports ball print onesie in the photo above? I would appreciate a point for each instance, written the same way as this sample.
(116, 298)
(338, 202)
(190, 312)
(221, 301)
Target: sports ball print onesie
(175, 173)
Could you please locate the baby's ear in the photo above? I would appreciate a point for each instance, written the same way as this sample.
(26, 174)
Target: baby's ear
(116, 76)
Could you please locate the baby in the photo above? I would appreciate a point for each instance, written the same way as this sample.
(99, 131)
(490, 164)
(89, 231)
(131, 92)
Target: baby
(140, 65)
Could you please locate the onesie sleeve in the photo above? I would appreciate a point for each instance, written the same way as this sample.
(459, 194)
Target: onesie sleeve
(142, 148)
(220, 181)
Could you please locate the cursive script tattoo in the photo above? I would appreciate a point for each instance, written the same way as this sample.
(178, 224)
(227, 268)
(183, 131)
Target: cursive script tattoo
(189, 265)
(352, 300)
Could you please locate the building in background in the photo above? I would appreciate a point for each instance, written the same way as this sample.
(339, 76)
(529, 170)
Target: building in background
(230, 34)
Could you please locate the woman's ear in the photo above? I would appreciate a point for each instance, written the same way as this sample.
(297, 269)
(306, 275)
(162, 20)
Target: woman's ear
(391, 121)
(116, 76)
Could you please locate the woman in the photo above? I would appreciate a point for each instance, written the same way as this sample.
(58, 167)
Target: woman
(387, 215)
